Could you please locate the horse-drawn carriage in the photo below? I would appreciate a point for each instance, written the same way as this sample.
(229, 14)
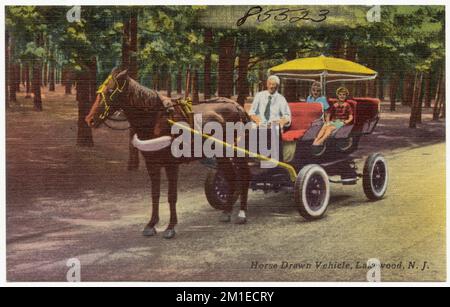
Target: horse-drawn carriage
(300, 168)
(308, 173)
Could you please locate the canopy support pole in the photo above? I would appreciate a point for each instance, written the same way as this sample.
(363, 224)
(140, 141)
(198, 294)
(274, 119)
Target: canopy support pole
(323, 82)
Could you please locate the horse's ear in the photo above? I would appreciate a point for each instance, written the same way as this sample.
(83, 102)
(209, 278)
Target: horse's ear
(122, 75)
(115, 71)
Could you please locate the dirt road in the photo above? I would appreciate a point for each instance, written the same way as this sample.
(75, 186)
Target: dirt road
(67, 202)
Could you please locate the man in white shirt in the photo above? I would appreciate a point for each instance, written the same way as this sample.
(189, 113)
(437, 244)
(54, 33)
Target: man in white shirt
(270, 107)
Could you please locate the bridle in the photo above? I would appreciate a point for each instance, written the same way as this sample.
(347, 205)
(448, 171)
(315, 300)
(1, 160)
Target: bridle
(167, 105)
(105, 115)
(104, 100)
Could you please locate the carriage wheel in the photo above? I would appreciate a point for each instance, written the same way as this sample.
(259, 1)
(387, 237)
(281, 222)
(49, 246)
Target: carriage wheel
(217, 190)
(375, 177)
(312, 192)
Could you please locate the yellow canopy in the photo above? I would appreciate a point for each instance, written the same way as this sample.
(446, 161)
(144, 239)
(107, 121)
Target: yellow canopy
(329, 67)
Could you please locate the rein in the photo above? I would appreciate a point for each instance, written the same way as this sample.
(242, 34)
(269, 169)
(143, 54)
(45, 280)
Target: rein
(114, 128)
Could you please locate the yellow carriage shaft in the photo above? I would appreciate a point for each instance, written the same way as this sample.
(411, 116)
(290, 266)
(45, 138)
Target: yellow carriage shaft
(291, 170)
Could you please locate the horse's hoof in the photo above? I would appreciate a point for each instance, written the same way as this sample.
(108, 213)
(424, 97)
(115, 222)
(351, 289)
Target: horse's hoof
(225, 218)
(241, 220)
(169, 233)
(149, 231)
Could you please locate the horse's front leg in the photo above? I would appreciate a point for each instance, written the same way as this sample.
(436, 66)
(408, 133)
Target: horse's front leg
(172, 177)
(155, 178)
(243, 175)
(225, 167)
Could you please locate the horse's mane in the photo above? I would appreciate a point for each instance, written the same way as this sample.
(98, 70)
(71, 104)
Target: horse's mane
(141, 96)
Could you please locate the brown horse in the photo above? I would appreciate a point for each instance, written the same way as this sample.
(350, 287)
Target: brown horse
(148, 112)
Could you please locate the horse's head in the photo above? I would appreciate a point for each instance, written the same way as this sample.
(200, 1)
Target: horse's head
(108, 98)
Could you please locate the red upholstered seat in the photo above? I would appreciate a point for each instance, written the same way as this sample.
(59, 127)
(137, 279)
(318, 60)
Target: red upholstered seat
(293, 135)
(303, 115)
(367, 109)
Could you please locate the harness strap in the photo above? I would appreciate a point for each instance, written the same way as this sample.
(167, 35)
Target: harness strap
(116, 90)
(184, 106)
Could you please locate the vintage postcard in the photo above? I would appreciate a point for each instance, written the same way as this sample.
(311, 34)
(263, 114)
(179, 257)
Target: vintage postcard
(225, 143)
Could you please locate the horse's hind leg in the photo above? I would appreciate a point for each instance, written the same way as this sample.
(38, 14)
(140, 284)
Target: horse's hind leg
(172, 176)
(225, 166)
(243, 175)
(155, 178)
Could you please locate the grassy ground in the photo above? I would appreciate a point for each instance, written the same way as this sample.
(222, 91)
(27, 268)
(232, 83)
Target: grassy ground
(65, 202)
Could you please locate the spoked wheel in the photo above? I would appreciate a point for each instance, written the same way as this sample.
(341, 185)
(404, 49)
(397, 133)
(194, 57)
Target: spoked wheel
(217, 190)
(375, 177)
(312, 192)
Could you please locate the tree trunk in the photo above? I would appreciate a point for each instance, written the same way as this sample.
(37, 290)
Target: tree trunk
(51, 77)
(17, 78)
(419, 101)
(133, 156)
(179, 81)
(126, 43)
(37, 75)
(58, 78)
(261, 78)
(438, 101)
(12, 73)
(12, 82)
(242, 83)
(393, 88)
(415, 100)
(45, 79)
(27, 81)
(23, 74)
(133, 72)
(427, 93)
(381, 88)
(93, 79)
(164, 74)
(207, 64)
(350, 54)
(155, 77)
(187, 87)
(63, 76)
(195, 88)
(337, 48)
(290, 87)
(226, 66)
(442, 99)
(7, 70)
(68, 75)
(84, 137)
(408, 89)
(412, 118)
(443, 104)
(372, 88)
(169, 84)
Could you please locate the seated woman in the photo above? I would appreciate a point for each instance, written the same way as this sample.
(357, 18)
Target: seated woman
(339, 115)
(316, 96)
